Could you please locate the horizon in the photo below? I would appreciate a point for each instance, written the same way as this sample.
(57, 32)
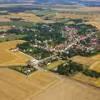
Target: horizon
(53, 2)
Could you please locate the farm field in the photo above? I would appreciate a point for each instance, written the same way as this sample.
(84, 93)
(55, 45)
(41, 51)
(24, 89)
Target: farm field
(93, 62)
(26, 71)
(42, 84)
(5, 28)
(87, 80)
(68, 89)
(28, 17)
(55, 64)
(95, 66)
(4, 19)
(16, 86)
(91, 9)
(9, 57)
(90, 17)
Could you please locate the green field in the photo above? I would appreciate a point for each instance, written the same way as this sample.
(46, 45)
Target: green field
(55, 64)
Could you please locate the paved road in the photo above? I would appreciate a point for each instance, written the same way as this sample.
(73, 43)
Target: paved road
(51, 57)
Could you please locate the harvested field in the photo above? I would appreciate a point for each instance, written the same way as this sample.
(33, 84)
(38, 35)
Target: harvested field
(83, 60)
(68, 89)
(92, 62)
(16, 86)
(4, 19)
(9, 56)
(5, 28)
(87, 80)
(28, 17)
(43, 85)
(92, 18)
(96, 57)
(90, 9)
(95, 23)
(95, 66)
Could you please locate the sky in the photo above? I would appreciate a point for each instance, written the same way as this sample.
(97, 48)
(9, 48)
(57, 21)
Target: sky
(47, 1)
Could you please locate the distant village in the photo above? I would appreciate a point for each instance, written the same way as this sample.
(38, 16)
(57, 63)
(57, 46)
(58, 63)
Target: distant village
(53, 41)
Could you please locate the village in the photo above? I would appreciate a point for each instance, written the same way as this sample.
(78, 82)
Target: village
(49, 52)
(57, 49)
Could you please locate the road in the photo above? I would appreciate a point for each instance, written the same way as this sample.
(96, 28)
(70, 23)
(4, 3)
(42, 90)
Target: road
(77, 41)
(51, 57)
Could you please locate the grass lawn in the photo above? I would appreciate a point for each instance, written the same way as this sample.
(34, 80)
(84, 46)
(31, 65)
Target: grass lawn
(55, 64)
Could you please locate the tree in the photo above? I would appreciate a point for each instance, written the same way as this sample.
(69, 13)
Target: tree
(69, 68)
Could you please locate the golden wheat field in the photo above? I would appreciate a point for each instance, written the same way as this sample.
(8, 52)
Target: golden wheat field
(16, 86)
(8, 57)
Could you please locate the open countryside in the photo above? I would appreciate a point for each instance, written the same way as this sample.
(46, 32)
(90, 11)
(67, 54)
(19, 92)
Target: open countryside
(28, 17)
(92, 62)
(9, 56)
(49, 50)
(23, 87)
